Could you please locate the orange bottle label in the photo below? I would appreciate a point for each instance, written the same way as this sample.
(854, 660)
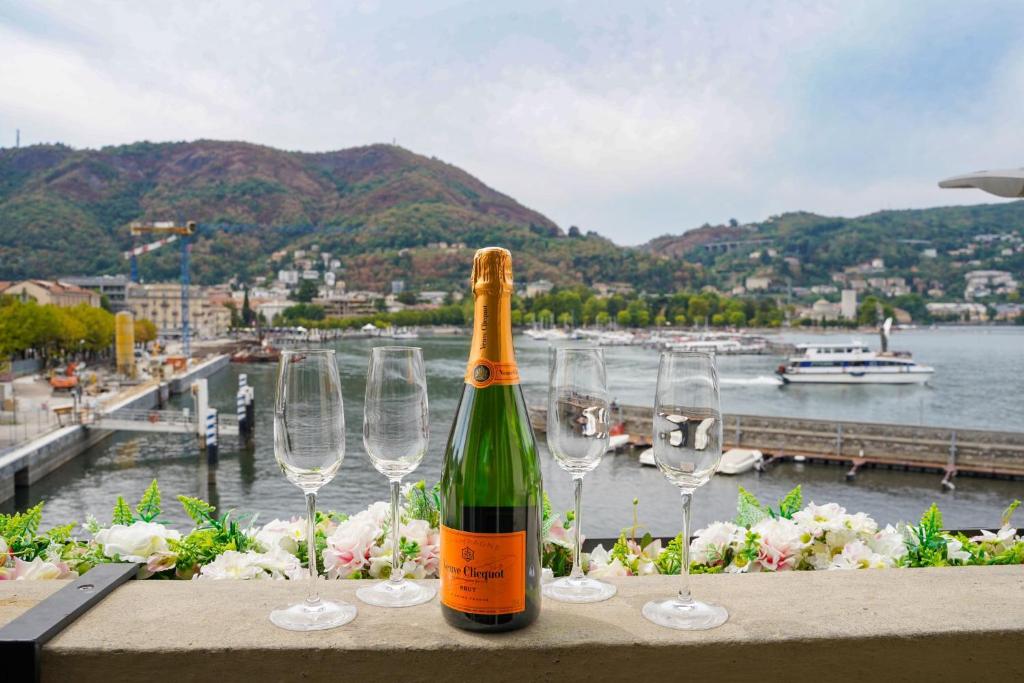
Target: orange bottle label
(483, 573)
(492, 359)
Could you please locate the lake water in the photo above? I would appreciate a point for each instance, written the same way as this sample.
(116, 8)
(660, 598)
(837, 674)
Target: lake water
(977, 384)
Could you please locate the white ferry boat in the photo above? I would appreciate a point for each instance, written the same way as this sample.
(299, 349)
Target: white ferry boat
(852, 363)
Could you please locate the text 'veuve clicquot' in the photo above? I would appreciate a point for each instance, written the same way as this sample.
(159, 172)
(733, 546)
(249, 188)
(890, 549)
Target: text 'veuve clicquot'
(491, 497)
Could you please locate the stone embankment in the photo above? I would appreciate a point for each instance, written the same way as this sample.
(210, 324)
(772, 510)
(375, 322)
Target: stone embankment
(34, 460)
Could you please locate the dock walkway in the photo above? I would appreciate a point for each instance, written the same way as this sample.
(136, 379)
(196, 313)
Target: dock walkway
(946, 450)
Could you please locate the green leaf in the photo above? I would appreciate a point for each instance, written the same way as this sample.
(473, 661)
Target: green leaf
(791, 503)
(200, 511)
(149, 507)
(1008, 512)
(122, 513)
(931, 520)
(748, 509)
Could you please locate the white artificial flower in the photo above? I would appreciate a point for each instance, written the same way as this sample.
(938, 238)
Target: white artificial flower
(282, 534)
(251, 565)
(818, 519)
(710, 543)
(3, 548)
(232, 564)
(613, 568)
(955, 552)
(1007, 535)
(858, 555)
(781, 543)
(279, 564)
(135, 542)
(889, 542)
(601, 565)
(860, 524)
(819, 554)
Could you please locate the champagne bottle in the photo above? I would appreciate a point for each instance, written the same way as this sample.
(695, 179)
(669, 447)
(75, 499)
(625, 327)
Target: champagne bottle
(491, 499)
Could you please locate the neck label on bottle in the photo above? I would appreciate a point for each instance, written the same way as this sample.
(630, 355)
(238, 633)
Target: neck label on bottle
(491, 357)
(483, 573)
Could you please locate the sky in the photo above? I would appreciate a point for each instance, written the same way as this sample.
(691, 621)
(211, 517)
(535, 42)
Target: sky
(634, 119)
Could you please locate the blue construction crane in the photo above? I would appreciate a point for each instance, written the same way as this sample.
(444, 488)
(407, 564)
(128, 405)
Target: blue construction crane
(173, 231)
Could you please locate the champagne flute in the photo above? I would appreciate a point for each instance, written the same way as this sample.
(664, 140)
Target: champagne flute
(395, 433)
(577, 433)
(309, 445)
(687, 448)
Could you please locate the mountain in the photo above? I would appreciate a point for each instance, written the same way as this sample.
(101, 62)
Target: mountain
(806, 249)
(382, 210)
(66, 211)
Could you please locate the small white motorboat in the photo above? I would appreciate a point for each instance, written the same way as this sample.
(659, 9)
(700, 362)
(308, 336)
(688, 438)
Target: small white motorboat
(617, 441)
(647, 457)
(739, 460)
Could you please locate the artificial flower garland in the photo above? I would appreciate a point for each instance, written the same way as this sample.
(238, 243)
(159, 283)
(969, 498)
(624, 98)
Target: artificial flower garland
(790, 536)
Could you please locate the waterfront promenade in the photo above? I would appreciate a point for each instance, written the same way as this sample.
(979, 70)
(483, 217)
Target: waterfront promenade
(31, 461)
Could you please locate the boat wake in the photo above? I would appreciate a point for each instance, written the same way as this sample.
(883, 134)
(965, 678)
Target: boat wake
(761, 380)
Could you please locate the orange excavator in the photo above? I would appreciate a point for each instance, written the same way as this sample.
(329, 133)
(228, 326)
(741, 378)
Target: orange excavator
(66, 381)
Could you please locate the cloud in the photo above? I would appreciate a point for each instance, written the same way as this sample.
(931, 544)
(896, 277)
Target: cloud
(633, 120)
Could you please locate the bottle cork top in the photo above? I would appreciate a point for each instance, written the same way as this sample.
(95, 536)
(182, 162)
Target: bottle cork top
(492, 270)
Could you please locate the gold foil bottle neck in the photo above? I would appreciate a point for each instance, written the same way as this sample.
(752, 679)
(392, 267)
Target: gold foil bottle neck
(492, 270)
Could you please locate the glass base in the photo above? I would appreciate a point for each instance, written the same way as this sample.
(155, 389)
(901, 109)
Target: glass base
(315, 616)
(396, 594)
(568, 589)
(691, 615)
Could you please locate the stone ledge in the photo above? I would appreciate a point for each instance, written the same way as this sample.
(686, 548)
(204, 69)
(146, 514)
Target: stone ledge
(925, 624)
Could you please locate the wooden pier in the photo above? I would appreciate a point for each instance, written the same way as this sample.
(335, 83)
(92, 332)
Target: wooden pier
(949, 451)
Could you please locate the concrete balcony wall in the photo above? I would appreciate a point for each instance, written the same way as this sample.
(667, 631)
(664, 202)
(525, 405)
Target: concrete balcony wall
(956, 624)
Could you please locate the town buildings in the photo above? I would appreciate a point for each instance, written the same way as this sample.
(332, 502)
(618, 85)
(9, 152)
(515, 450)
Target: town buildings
(53, 292)
(161, 303)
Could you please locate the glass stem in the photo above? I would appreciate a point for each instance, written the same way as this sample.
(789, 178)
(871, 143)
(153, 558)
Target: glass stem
(577, 564)
(397, 574)
(312, 597)
(684, 554)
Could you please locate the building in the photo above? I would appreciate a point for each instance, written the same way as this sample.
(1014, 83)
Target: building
(397, 286)
(758, 282)
(288, 277)
(848, 304)
(821, 310)
(114, 287)
(161, 303)
(271, 309)
(537, 288)
(1009, 312)
(432, 298)
(52, 292)
(350, 304)
(982, 283)
(969, 312)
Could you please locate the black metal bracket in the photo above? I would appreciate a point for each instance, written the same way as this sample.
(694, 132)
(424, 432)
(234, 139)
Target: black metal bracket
(22, 640)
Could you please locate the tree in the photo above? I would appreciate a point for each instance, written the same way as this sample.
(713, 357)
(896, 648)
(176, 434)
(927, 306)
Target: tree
(408, 298)
(736, 318)
(602, 318)
(660, 320)
(247, 315)
(305, 293)
(679, 320)
(145, 331)
(574, 231)
(698, 308)
(623, 318)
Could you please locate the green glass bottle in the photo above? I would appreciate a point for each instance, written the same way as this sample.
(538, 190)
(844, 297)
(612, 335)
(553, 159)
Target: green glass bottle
(491, 496)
